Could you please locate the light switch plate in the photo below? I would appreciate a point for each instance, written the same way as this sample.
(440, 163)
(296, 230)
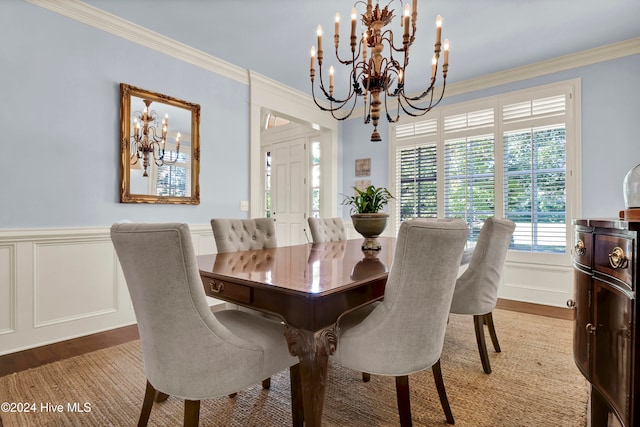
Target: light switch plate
(244, 205)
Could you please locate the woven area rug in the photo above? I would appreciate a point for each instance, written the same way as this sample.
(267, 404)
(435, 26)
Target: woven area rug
(534, 383)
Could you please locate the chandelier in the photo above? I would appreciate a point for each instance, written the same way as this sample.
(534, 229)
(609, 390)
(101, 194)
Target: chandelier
(146, 142)
(373, 75)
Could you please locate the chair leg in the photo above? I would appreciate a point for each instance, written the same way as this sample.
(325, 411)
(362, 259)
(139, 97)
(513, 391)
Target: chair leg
(191, 413)
(488, 320)
(478, 321)
(266, 384)
(404, 403)
(366, 377)
(442, 393)
(297, 405)
(147, 404)
(161, 397)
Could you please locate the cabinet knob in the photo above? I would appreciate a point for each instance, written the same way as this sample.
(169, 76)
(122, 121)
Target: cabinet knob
(580, 248)
(590, 329)
(571, 303)
(216, 287)
(617, 258)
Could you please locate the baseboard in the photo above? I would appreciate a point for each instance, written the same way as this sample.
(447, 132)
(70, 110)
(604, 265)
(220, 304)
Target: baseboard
(538, 309)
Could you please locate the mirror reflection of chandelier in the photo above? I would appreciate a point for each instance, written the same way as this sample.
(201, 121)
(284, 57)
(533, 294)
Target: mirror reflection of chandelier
(145, 139)
(372, 74)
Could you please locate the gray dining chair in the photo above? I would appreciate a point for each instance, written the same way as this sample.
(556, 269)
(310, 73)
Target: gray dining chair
(476, 290)
(327, 229)
(404, 333)
(233, 235)
(188, 351)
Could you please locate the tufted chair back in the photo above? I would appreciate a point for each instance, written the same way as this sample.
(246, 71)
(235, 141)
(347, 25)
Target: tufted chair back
(327, 229)
(233, 235)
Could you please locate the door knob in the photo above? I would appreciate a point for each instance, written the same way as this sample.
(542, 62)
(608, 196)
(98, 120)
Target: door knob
(590, 329)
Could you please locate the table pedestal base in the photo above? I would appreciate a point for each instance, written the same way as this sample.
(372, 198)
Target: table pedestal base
(313, 349)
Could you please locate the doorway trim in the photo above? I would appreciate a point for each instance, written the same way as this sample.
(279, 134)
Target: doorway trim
(269, 96)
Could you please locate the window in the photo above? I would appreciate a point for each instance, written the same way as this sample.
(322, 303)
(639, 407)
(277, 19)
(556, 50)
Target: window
(504, 156)
(469, 181)
(174, 179)
(416, 186)
(315, 179)
(535, 189)
(267, 184)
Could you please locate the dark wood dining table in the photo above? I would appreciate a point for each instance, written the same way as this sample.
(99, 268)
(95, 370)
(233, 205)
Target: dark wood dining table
(308, 286)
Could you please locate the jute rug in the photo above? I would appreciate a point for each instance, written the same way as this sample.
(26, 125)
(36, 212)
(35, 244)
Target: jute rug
(534, 383)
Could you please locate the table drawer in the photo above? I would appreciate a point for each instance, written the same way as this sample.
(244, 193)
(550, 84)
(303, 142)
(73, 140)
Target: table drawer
(614, 255)
(228, 291)
(583, 248)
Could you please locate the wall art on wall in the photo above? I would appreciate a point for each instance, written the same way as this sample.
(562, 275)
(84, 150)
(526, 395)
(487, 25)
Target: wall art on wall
(363, 167)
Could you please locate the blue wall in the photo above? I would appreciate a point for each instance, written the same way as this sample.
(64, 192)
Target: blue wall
(610, 132)
(60, 113)
(59, 156)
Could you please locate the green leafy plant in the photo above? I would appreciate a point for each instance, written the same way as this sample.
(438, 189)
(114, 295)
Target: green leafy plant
(371, 200)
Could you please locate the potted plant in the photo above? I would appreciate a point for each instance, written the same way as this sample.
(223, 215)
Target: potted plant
(366, 215)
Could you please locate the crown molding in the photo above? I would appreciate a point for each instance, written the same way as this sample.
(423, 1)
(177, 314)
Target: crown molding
(97, 18)
(562, 63)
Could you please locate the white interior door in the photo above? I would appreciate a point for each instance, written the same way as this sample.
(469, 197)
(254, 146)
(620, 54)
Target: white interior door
(289, 191)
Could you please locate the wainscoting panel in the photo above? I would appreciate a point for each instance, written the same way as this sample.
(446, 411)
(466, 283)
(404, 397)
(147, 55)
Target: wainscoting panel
(58, 284)
(537, 283)
(85, 287)
(7, 288)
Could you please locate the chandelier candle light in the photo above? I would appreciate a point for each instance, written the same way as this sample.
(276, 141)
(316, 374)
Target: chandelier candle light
(147, 141)
(376, 75)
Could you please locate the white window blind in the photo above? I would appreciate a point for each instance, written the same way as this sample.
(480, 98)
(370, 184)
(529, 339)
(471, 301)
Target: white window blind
(535, 187)
(529, 130)
(416, 186)
(469, 183)
(174, 179)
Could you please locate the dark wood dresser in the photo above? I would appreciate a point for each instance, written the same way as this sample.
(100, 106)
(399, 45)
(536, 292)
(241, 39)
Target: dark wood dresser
(605, 341)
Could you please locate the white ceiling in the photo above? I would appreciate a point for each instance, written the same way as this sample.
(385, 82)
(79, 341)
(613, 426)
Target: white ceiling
(273, 38)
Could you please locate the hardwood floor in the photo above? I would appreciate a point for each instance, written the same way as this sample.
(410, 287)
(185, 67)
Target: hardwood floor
(26, 359)
(35, 357)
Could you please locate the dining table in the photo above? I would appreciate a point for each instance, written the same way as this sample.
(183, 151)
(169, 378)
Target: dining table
(308, 287)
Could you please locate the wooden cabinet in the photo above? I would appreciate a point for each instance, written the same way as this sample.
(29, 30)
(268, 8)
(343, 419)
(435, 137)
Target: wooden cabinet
(605, 333)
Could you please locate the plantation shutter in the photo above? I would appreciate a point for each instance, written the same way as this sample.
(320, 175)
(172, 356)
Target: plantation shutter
(416, 172)
(469, 179)
(535, 173)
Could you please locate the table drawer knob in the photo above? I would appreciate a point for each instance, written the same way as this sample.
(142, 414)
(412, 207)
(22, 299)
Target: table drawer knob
(580, 248)
(216, 287)
(617, 259)
(571, 303)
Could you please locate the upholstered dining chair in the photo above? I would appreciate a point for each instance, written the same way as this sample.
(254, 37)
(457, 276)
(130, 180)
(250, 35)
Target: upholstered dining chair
(233, 235)
(476, 290)
(327, 229)
(188, 351)
(404, 333)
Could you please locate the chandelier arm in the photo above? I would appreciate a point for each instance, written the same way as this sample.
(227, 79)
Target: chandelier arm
(331, 100)
(354, 56)
(354, 89)
(386, 109)
(422, 111)
(389, 38)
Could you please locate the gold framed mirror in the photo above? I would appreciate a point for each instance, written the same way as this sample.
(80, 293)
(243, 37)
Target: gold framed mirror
(159, 147)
